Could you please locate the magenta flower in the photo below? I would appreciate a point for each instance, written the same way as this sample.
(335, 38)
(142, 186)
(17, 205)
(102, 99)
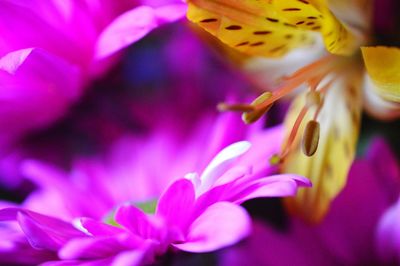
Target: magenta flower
(50, 50)
(362, 227)
(95, 186)
(198, 213)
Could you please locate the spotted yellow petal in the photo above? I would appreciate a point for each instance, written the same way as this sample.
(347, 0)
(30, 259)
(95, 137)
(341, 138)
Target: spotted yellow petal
(383, 67)
(315, 15)
(252, 27)
(272, 28)
(327, 169)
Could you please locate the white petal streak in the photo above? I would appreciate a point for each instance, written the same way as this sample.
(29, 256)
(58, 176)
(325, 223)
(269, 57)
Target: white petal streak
(222, 162)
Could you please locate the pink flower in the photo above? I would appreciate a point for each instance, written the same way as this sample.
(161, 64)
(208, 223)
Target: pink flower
(95, 186)
(198, 213)
(50, 50)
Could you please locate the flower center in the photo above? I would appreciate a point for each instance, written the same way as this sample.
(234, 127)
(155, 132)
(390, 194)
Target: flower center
(148, 207)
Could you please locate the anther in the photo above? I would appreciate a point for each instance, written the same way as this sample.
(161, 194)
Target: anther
(275, 159)
(252, 116)
(310, 138)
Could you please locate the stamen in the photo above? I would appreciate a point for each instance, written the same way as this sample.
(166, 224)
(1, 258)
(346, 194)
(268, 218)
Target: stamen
(313, 98)
(319, 64)
(322, 91)
(254, 115)
(314, 82)
(281, 92)
(311, 74)
(310, 138)
(318, 110)
(238, 107)
(294, 131)
(325, 88)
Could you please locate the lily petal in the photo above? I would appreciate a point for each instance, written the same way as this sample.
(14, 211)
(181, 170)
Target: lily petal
(259, 30)
(218, 17)
(316, 15)
(375, 105)
(383, 64)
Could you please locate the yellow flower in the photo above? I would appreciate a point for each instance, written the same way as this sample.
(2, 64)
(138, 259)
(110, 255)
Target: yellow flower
(323, 39)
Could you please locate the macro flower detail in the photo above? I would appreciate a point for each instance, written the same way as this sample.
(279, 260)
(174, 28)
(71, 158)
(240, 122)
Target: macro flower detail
(195, 214)
(199, 132)
(260, 34)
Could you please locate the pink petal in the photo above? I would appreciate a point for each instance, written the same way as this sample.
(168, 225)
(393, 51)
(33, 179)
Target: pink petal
(132, 258)
(354, 238)
(221, 225)
(388, 235)
(158, 3)
(133, 25)
(37, 237)
(44, 175)
(265, 143)
(23, 26)
(53, 73)
(233, 174)
(99, 262)
(9, 214)
(42, 231)
(385, 164)
(272, 186)
(48, 223)
(34, 82)
(176, 203)
(55, 187)
(98, 228)
(137, 222)
(217, 137)
(268, 246)
(170, 13)
(91, 248)
(11, 62)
